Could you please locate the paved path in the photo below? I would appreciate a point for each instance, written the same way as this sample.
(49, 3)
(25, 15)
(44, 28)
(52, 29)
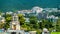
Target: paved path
(4, 33)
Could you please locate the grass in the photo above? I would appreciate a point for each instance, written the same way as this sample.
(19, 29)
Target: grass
(55, 32)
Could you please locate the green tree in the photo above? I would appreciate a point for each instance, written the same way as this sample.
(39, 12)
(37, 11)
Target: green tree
(47, 24)
(8, 18)
(58, 25)
(41, 25)
(1, 25)
(21, 19)
(33, 22)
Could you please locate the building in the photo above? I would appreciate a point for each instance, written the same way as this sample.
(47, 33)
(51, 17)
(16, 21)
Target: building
(45, 31)
(10, 12)
(14, 24)
(32, 32)
(24, 12)
(39, 16)
(51, 9)
(37, 10)
(27, 20)
(52, 18)
(2, 19)
(42, 16)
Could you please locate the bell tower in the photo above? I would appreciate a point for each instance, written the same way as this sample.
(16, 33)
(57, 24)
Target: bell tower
(15, 25)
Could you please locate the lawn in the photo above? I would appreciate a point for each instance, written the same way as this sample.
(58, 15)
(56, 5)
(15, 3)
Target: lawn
(55, 32)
